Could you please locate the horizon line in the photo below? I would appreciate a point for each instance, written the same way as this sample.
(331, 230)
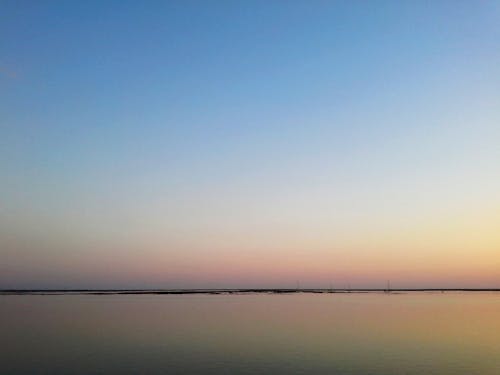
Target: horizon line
(124, 291)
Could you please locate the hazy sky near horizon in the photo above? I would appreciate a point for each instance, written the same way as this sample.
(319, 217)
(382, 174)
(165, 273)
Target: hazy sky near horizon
(249, 143)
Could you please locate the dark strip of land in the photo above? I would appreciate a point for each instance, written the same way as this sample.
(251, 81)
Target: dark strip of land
(230, 291)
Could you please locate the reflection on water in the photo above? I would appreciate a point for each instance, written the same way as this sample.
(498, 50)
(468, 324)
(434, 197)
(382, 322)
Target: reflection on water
(413, 333)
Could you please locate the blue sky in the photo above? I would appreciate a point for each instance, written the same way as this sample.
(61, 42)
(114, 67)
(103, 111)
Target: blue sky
(188, 130)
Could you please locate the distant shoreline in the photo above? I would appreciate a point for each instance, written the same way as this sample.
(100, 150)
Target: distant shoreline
(232, 291)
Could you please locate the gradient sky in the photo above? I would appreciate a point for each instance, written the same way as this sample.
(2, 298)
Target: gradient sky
(249, 143)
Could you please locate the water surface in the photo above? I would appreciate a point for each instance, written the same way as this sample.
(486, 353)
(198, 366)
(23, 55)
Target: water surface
(351, 333)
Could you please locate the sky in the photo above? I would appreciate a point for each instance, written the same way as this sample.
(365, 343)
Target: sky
(220, 144)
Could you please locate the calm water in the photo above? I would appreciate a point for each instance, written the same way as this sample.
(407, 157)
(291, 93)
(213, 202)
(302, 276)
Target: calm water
(414, 333)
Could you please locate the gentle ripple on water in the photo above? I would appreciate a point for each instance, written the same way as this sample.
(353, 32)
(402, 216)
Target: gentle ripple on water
(379, 334)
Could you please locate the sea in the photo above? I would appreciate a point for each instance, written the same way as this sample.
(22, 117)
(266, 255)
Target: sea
(413, 333)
